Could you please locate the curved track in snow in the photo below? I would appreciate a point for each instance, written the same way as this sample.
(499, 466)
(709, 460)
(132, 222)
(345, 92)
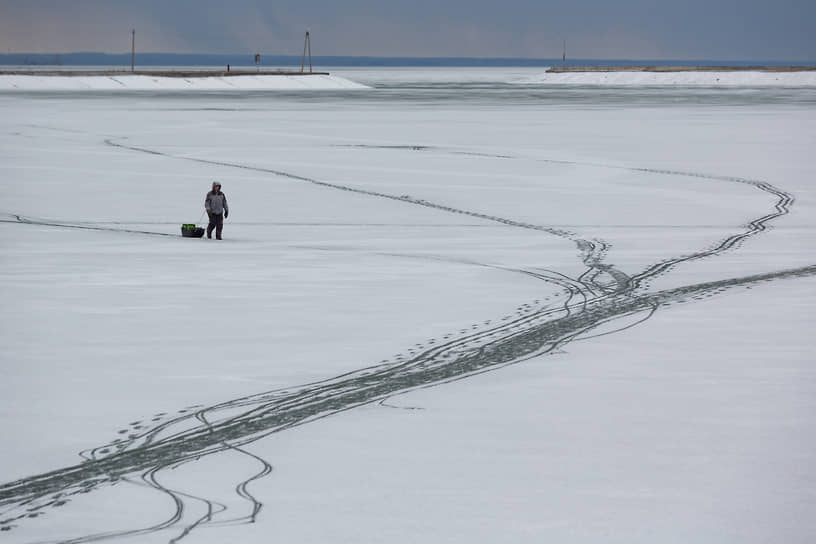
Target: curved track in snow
(601, 296)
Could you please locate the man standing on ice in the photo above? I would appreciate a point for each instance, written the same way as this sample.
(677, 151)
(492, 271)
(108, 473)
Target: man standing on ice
(217, 209)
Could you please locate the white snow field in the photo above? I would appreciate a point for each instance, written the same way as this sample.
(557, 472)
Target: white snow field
(449, 308)
(692, 78)
(126, 82)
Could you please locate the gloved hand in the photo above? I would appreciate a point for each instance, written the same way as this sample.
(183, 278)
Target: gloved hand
(226, 214)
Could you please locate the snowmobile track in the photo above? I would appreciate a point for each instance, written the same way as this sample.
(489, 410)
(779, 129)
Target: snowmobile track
(232, 425)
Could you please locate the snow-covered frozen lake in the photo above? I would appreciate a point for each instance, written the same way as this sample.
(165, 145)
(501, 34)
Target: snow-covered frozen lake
(458, 306)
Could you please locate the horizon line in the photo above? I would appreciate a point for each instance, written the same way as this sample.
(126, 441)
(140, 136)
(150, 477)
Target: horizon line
(403, 57)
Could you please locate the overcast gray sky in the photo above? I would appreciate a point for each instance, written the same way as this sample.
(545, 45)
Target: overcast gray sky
(633, 29)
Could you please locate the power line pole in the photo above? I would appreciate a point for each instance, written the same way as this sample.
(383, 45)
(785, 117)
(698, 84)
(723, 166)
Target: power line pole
(307, 42)
(132, 49)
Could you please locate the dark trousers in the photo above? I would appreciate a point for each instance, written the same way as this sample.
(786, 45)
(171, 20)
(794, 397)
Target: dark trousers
(217, 223)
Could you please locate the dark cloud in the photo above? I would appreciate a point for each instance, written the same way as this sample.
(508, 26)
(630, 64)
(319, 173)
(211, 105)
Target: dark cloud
(701, 29)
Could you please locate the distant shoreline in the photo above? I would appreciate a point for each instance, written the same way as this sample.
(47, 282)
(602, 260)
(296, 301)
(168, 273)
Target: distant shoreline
(672, 69)
(158, 73)
(292, 62)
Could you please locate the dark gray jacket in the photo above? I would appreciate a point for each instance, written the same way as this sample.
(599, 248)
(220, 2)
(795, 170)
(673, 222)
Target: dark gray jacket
(216, 202)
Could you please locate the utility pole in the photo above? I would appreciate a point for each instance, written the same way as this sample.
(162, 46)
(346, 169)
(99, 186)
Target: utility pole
(307, 42)
(132, 49)
(564, 57)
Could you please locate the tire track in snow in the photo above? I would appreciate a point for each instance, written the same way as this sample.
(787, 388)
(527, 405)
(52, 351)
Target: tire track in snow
(274, 411)
(19, 219)
(783, 204)
(236, 423)
(587, 247)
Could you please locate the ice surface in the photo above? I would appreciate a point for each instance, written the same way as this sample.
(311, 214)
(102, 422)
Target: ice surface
(370, 230)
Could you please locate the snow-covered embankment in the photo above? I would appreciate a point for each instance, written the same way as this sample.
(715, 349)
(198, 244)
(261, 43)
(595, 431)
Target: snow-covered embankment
(12, 82)
(689, 78)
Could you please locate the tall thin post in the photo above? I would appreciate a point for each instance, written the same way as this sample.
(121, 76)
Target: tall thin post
(303, 59)
(309, 41)
(132, 49)
(564, 57)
